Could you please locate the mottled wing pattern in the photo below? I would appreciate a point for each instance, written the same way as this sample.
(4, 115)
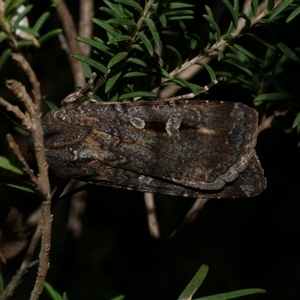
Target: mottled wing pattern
(184, 147)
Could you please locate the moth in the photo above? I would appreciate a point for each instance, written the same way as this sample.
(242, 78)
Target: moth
(179, 147)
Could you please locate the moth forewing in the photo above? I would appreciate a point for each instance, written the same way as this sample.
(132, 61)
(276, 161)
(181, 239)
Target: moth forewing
(178, 147)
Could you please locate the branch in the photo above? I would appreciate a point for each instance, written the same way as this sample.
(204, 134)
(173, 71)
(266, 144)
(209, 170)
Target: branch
(41, 181)
(86, 12)
(152, 219)
(71, 33)
(24, 65)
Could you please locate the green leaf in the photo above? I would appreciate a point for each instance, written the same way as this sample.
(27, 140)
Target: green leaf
(65, 297)
(119, 38)
(146, 42)
(208, 69)
(179, 13)
(247, 53)
(25, 186)
(163, 20)
(52, 292)
(91, 62)
(44, 17)
(20, 16)
(154, 31)
(22, 131)
(121, 297)
(177, 5)
(177, 55)
(183, 83)
(131, 3)
(274, 97)
(49, 35)
(111, 81)
(270, 4)
(3, 36)
(87, 70)
(288, 52)
(39, 23)
(245, 17)
(233, 13)
(106, 26)
(116, 8)
(7, 165)
(297, 120)
(51, 104)
(140, 94)
(121, 21)
(194, 284)
(12, 5)
(27, 29)
(18, 183)
(293, 15)
(117, 58)
(279, 9)
(4, 56)
(135, 74)
(137, 61)
(96, 44)
(213, 24)
(254, 4)
(262, 41)
(209, 12)
(109, 11)
(239, 65)
(232, 295)
(165, 73)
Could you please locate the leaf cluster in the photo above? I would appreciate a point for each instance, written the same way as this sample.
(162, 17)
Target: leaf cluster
(134, 34)
(14, 36)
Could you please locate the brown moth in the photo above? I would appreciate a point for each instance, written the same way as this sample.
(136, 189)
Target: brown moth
(179, 147)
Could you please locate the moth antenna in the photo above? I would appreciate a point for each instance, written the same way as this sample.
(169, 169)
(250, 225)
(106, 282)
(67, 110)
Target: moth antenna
(204, 89)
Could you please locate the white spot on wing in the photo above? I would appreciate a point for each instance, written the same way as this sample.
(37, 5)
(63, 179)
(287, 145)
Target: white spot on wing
(137, 123)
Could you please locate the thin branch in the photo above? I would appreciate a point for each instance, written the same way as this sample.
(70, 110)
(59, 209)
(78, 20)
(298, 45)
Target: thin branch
(86, 12)
(152, 219)
(20, 92)
(41, 181)
(71, 33)
(17, 112)
(15, 148)
(24, 65)
(31, 248)
(191, 215)
(15, 281)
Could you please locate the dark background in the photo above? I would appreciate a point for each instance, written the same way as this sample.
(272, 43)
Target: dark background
(247, 243)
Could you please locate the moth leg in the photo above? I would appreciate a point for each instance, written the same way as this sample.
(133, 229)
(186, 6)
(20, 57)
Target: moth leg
(77, 95)
(100, 83)
(193, 95)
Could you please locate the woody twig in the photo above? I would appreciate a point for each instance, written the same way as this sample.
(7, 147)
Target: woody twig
(31, 119)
